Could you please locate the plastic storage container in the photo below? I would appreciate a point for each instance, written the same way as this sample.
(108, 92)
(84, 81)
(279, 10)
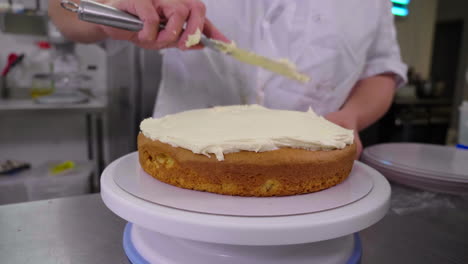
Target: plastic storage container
(463, 126)
(40, 69)
(39, 183)
(66, 67)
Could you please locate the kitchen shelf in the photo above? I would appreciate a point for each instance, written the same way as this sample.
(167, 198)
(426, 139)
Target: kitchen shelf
(14, 105)
(93, 110)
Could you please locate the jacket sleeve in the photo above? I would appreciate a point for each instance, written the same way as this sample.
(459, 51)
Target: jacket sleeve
(383, 55)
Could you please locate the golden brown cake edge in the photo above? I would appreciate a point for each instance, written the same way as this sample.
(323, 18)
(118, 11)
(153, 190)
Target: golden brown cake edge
(281, 172)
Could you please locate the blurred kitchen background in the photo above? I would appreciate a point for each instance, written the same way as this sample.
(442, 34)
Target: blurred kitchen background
(67, 109)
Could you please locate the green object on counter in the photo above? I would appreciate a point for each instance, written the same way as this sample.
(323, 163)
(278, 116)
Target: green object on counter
(67, 165)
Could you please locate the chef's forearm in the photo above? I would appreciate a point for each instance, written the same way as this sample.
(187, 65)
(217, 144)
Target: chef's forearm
(370, 99)
(71, 27)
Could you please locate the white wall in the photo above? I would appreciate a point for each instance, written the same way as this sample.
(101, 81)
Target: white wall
(416, 33)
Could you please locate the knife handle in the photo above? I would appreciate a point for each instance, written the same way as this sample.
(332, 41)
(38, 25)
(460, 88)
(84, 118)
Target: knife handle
(98, 13)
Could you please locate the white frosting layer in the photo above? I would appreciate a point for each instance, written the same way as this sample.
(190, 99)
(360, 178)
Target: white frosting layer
(280, 66)
(228, 129)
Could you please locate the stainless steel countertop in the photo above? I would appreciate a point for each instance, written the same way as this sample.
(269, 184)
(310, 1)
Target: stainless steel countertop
(434, 229)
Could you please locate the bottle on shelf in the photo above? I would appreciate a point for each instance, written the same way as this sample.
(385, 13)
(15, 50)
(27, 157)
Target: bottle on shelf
(39, 67)
(66, 68)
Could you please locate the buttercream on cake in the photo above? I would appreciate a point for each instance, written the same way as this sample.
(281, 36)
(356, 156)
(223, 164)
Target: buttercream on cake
(227, 129)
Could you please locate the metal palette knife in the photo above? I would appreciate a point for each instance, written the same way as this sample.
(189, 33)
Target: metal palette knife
(97, 13)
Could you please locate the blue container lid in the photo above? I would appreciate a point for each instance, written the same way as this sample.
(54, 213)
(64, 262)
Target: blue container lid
(461, 146)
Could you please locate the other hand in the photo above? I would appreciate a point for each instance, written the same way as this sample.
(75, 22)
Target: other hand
(174, 14)
(348, 121)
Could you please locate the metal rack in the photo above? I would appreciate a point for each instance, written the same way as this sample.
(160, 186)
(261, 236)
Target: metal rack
(92, 111)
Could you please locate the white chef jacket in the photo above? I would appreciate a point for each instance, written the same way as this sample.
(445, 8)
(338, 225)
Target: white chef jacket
(335, 42)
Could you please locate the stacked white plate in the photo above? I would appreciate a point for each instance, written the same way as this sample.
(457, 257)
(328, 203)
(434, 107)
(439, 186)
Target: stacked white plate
(424, 166)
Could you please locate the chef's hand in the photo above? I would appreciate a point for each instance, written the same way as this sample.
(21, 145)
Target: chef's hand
(348, 121)
(173, 13)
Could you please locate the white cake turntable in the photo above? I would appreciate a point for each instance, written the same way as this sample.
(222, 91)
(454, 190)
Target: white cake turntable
(177, 226)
